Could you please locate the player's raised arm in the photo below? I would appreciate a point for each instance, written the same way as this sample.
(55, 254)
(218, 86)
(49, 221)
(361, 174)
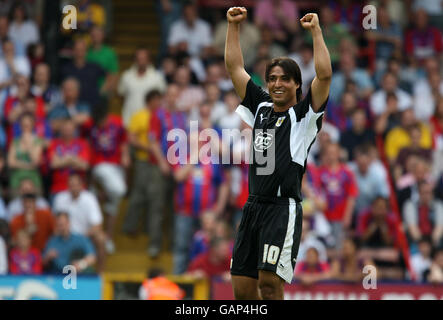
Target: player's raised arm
(323, 69)
(233, 55)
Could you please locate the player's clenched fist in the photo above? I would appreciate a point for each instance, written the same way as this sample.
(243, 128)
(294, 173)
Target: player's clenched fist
(310, 21)
(236, 14)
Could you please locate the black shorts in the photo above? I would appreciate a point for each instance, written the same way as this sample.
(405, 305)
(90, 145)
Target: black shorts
(268, 237)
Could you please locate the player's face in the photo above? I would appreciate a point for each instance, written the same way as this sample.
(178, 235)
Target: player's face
(282, 88)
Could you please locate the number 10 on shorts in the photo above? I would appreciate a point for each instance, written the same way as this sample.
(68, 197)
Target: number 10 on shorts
(270, 254)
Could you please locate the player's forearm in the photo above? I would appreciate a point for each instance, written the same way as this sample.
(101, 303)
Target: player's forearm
(233, 54)
(322, 60)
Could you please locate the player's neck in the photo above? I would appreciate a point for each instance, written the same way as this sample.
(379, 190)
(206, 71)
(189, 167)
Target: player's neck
(285, 107)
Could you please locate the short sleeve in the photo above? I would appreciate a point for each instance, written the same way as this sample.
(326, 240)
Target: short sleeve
(253, 97)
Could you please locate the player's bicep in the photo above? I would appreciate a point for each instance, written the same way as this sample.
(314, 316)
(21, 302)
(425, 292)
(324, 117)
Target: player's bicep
(319, 93)
(240, 80)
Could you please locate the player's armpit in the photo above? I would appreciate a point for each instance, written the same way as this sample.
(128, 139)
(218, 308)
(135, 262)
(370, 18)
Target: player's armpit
(319, 92)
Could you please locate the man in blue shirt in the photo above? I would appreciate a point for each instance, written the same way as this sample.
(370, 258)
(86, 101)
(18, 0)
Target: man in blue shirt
(66, 248)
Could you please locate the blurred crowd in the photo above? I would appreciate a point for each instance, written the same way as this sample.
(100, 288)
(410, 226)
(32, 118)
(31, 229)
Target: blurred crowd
(373, 187)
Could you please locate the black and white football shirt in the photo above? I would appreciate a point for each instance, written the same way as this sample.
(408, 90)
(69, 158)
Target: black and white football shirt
(282, 137)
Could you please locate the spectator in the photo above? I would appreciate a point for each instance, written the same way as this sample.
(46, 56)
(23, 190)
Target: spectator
(166, 119)
(23, 259)
(19, 48)
(398, 137)
(3, 257)
(22, 28)
(15, 206)
(214, 263)
(309, 240)
(435, 275)
(348, 266)
(38, 223)
(231, 120)
(357, 134)
(11, 66)
(67, 154)
(158, 287)
(348, 70)
(338, 183)
(213, 97)
(136, 82)
(280, 17)
(40, 127)
(421, 260)
(88, 75)
(427, 92)
(268, 47)
(387, 37)
(305, 60)
(314, 204)
(190, 34)
(104, 56)
(25, 154)
(190, 96)
(390, 117)
(389, 85)
(371, 182)
(417, 170)
(348, 13)
(89, 14)
(424, 217)
(423, 40)
(42, 87)
(202, 237)
(70, 107)
(68, 248)
(413, 149)
(311, 270)
(150, 165)
(109, 158)
(209, 190)
(333, 33)
(377, 231)
(84, 214)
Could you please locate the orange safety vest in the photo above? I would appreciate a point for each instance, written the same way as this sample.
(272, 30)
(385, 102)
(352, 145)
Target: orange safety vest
(161, 288)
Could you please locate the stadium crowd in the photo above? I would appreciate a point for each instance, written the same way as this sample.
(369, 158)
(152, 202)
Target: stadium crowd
(373, 188)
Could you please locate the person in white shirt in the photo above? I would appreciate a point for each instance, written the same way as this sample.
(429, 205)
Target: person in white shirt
(11, 66)
(377, 102)
(136, 82)
(21, 28)
(85, 214)
(426, 94)
(190, 34)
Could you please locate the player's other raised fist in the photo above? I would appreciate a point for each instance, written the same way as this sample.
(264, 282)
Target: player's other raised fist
(236, 14)
(310, 21)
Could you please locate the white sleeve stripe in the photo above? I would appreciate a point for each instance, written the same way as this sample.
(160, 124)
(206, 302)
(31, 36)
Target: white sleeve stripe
(302, 134)
(245, 114)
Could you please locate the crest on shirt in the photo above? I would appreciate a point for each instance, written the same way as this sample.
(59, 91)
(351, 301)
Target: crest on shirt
(263, 141)
(280, 121)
